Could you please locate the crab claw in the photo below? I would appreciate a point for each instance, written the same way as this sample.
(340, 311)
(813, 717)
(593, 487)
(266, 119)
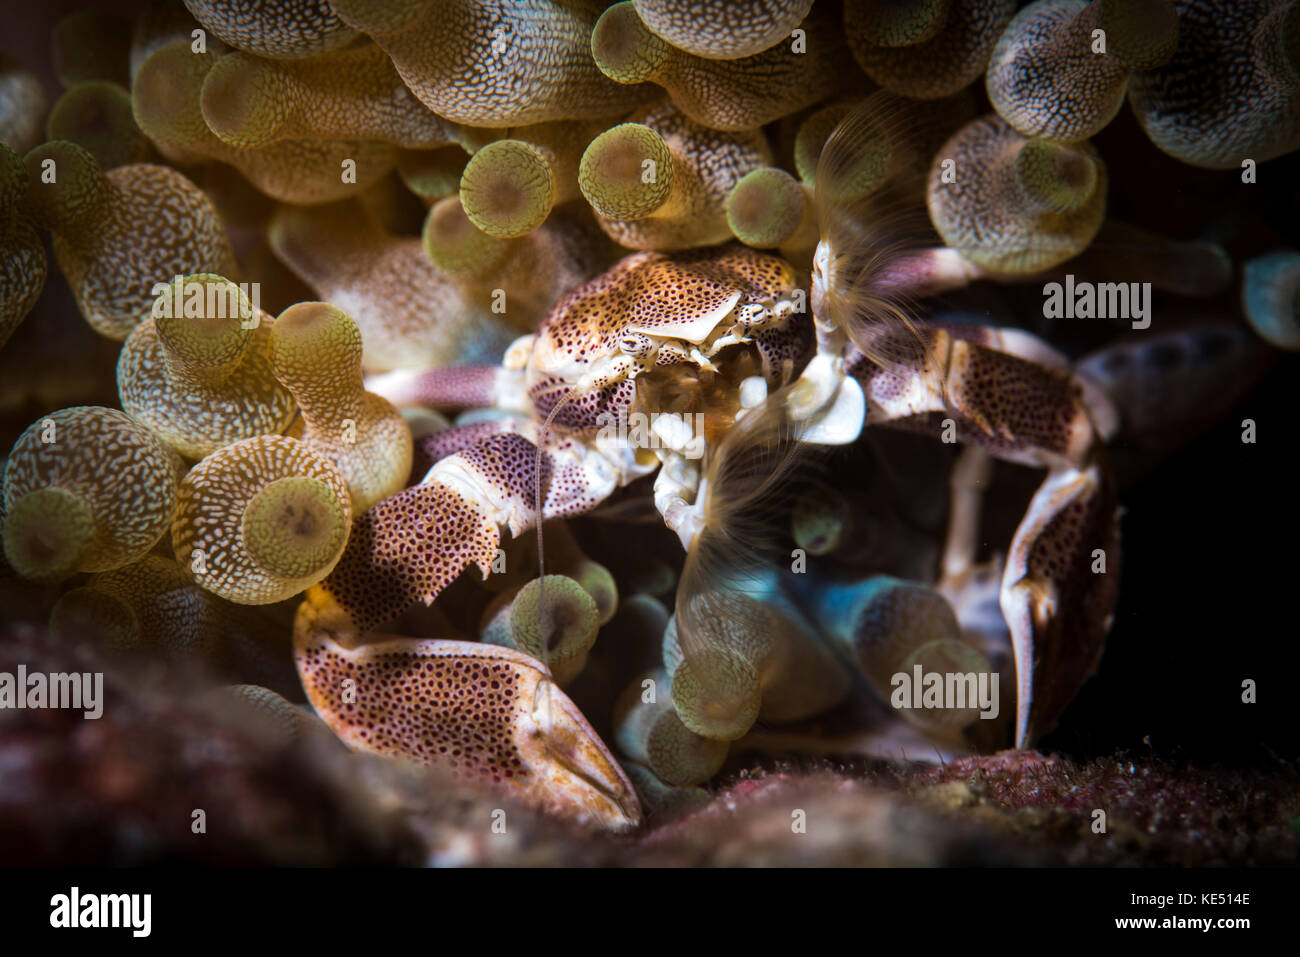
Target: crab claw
(487, 714)
(412, 545)
(1058, 592)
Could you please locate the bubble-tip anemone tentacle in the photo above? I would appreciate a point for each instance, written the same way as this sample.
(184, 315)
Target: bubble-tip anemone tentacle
(286, 29)
(261, 520)
(1058, 38)
(1020, 204)
(347, 94)
(936, 61)
(733, 94)
(86, 489)
(494, 62)
(721, 29)
(315, 352)
(198, 375)
(660, 181)
(1231, 91)
(118, 233)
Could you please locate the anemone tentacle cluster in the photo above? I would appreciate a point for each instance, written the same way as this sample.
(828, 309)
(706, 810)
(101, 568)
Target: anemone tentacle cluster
(401, 287)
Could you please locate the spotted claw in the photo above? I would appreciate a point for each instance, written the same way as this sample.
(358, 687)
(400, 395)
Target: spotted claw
(487, 714)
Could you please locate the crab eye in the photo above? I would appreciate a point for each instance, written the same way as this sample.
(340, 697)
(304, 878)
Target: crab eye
(751, 314)
(635, 344)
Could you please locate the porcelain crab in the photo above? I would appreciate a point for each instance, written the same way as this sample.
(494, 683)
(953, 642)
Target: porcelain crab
(696, 341)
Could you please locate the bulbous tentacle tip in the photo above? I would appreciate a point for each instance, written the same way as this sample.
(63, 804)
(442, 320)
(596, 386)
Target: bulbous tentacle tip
(214, 338)
(597, 581)
(294, 526)
(1270, 294)
(508, 188)
(1091, 49)
(306, 329)
(892, 23)
(890, 619)
(97, 115)
(261, 520)
(1141, 34)
(1228, 93)
(554, 619)
(717, 695)
(812, 135)
(241, 101)
(1056, 177)
(624, 47)
(75, 190)
(819, 521)
(165, 94)
(432, 174)
(1023, 204)
(47, 533)
(890, 627)
(458, 247)
(627, 172)
(649, 732)
(949, 46)
(766, 207)
(63, 484)
(719, 29)
(950, 657)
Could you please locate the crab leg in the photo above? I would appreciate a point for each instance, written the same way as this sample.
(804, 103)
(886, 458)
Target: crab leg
(445, 388)
(1016, 409)
(436, 446)
(970, 476)
(927, 272)
(451, 388)
(487, 714)
(1062, 574)
(973, 589)
(1056, 607)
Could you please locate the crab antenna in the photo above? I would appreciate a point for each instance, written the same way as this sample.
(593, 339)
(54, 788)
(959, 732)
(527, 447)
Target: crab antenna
(537, 511)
